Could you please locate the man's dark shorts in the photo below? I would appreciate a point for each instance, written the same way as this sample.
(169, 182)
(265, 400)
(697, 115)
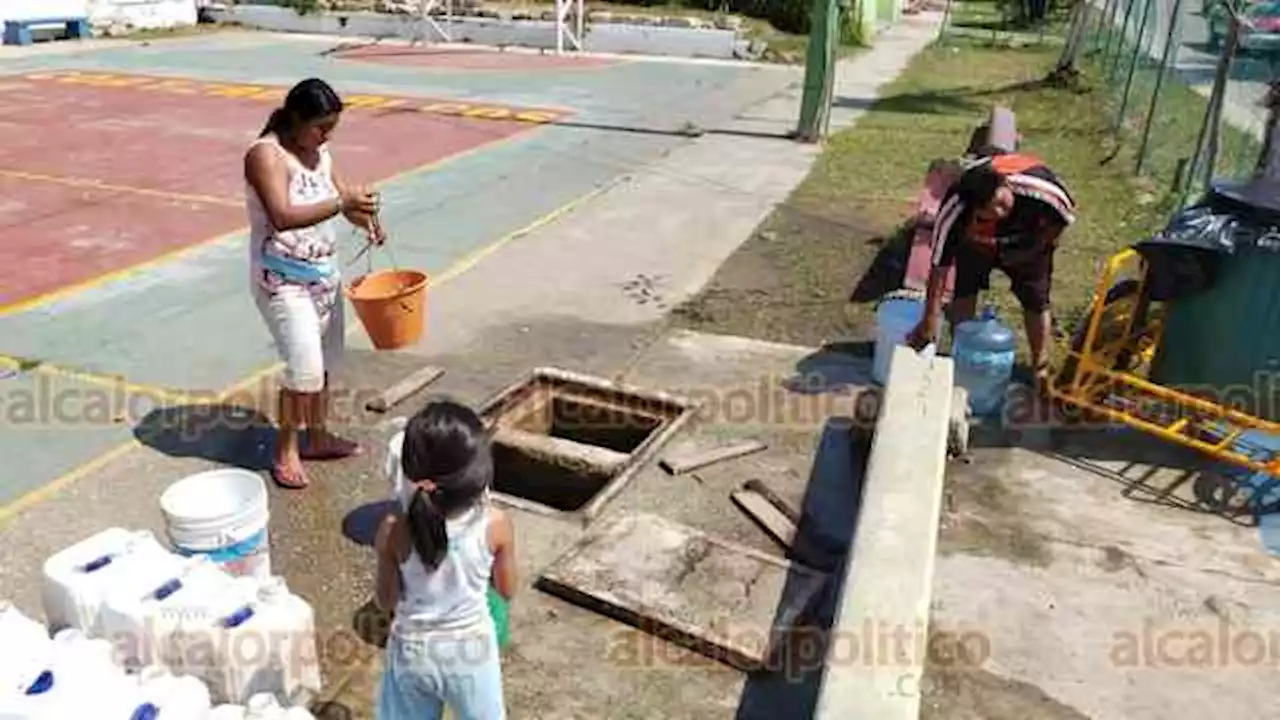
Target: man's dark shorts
(1030, 274)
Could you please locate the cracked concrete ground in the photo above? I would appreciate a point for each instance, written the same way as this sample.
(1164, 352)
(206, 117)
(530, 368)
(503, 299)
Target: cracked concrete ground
(1091, 586)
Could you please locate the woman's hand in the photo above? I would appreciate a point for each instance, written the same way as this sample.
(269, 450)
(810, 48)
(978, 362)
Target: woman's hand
(360, 208)
(358, 200)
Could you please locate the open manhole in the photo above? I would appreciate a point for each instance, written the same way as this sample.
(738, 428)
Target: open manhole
(565, 443)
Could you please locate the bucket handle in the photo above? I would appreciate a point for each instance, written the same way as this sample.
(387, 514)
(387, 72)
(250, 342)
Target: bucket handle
(395, 265)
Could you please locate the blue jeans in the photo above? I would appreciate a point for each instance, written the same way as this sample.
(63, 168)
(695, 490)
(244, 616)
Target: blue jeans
(428, 669)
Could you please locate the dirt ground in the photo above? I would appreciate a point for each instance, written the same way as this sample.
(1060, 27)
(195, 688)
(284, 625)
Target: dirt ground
(843, 234)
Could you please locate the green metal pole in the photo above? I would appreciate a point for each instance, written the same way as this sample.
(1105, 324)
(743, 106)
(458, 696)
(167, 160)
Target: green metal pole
(815, 105)
(1096, 42)
(1209, 125)
(1111, 33)
(1133, 67)
(1172, 41)
(1124, 37)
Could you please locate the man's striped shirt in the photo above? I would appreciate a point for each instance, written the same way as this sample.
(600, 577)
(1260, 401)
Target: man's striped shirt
(1039, 197)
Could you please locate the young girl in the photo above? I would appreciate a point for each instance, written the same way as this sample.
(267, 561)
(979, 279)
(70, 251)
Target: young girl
(436, 560)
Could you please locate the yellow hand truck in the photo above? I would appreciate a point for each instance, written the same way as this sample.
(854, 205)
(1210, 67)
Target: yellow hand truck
(1103, 374)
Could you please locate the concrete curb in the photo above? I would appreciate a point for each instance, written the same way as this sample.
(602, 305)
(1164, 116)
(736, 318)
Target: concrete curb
(888, 580)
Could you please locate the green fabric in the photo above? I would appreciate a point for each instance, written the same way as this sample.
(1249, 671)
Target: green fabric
(498, 609)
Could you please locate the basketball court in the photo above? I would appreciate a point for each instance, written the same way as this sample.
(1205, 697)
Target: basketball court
(123, 282)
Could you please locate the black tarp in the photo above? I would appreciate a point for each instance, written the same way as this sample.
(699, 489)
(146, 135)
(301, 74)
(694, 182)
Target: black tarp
(1183, 258)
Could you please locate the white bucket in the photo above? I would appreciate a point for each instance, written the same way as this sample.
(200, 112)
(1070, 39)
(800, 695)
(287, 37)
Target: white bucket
(895, 319)
(222, 514)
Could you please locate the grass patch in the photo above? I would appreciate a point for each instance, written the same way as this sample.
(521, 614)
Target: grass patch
(792, 281)
(1175, 119)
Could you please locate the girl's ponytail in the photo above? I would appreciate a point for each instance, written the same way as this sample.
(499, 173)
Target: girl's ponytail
(447, 450)
(276, 123)
(427, 529)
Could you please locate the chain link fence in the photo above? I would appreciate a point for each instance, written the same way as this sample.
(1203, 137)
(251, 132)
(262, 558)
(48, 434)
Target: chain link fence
(1185, 85)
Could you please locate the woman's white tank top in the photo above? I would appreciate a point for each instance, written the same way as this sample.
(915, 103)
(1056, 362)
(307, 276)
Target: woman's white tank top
(314, 244)
(455, 594)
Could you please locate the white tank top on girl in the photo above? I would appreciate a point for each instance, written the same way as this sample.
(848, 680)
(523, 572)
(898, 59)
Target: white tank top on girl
(315, 244)
(455, 594)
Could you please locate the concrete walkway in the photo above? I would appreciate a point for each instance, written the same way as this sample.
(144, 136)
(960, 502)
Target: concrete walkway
(586, 290)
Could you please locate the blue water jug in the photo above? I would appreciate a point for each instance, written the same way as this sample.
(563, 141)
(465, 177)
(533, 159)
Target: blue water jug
(983, 350)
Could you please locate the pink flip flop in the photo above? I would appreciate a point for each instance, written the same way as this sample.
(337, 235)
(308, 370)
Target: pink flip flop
(299, 482)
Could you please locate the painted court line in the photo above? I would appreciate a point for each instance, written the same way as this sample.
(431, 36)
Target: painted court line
(100, 185)
(52, 488)
(112, 382)
(474, 110)
(48, 298)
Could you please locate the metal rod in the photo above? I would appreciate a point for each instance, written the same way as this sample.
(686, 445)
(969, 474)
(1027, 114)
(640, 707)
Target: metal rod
(1215, 134)
(1097, 45)
(1133, 68)
(1169, 43)
(1124, 36)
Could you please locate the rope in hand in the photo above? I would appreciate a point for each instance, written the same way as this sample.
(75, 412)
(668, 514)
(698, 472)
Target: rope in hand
(369, 243)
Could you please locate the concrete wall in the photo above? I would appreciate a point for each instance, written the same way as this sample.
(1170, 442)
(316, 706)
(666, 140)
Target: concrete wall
(138, 13)
(27, 9)
(603, 38)
(144, 13)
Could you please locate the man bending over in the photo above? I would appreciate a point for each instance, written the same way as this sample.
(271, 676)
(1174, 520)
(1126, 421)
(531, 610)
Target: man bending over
(1004, 212)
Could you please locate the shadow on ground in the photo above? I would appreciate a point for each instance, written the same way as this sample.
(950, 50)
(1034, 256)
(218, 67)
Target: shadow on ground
(836, 367)
(953, 101)
(1146, 468)
(828, 518)
(888, 269)
(226, 434)
(360, 526)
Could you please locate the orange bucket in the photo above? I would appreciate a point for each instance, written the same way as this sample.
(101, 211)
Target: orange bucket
(391, 305)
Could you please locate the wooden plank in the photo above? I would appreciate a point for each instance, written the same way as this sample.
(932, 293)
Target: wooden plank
(767, 516)
(397, 393)
(758, 486)
(701, 592)
(681, 464)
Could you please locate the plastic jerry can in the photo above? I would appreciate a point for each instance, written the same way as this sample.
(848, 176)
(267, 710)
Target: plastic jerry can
(27, 650)
(68, 685)
(263, 706)
(143, 625)
(78, 578)
(175, 696)
(983, 351)
(17, 631)
(227, 712)
(73, 647)
(267, 644)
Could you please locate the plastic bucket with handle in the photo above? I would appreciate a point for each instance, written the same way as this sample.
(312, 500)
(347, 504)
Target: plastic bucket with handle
(391, 305)
(896, 317)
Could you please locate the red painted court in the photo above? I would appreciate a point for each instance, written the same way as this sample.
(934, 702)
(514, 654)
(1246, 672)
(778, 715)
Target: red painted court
(102, 172)
(453, 59)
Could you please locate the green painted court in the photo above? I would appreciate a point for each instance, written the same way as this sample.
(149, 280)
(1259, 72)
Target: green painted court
(122, 230)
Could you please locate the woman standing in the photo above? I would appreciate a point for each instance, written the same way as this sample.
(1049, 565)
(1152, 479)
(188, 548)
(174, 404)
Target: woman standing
(293, 195)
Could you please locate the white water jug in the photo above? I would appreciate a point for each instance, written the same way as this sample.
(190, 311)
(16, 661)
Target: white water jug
(77, 579)
(265, 643)
(25, 650)
(79, 672)
(176, 696)
(227, 712)
(144, 624)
